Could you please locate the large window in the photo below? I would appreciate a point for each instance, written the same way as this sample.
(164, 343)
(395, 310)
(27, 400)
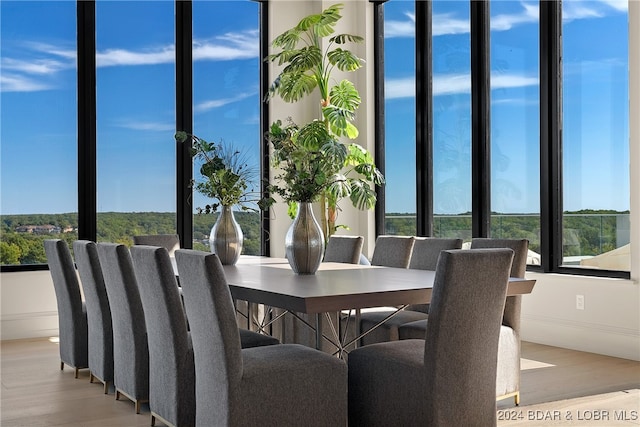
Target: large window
(226, 97)
(135, 119)
(400, 117)
(38, 131)
(451, 119)
(595, 141)
(577, 199)
(515, 123)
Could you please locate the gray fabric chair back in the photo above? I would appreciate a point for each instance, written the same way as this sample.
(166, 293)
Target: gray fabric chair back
(269, 385)
(513, 306)
(72, 316)
(424, 256)
(98, 311)
(461, 342)
(393, 251)
(216, 343)
(426, 251)
(171, 242)
(171, 369)
(345, 249)
(130, 348)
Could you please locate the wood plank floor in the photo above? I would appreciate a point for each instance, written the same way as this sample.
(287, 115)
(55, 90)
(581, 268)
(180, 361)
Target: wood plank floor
(557, 384)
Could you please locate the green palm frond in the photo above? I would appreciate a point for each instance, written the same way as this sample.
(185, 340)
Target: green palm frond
(362, 196)
(344, 60)
(340, 187)
(293, 86)
(303, 60)
(335, 153)
(346, 38)
(339, 120)
(287, 40)
(313, 135)
(345, 96)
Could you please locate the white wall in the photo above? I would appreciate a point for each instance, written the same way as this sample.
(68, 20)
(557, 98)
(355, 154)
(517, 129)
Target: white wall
(28, 305)
(358, 20)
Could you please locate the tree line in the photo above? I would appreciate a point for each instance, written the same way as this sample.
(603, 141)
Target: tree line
(586, 232)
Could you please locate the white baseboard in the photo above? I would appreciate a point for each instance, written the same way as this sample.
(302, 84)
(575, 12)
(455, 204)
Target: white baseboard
(29, 325)
(583, 336)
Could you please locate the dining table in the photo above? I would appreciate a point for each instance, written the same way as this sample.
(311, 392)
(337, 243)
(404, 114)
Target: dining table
(335, 288)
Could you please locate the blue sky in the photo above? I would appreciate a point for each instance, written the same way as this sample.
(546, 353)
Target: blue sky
(136, 112)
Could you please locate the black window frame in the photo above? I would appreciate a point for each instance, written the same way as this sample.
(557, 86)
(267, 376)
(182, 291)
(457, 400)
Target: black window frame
(550, 60)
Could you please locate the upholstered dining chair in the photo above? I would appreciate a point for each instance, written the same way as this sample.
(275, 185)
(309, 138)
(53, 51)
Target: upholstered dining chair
(449, 377)
(171, 242)
(130, 347)
(98, 312)
(276, 385)
(72, 313)
(171, 370)
(508, 376)
(392, 251)
(424, 256)
(389, 251)
(341, 248)
(508, 380)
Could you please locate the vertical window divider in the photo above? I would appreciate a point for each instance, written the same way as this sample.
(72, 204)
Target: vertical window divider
(550, 135)
(379, 112)
(184, 120)
(87, 179)
(480, 119)
(424, 118)
(265, 164)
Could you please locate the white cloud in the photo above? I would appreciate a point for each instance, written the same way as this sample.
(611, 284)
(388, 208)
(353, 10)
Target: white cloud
(17, 83)
(113, 57)
(400, 88)
(147, 126)
(400, 28)
(449, 84)
(217, 103)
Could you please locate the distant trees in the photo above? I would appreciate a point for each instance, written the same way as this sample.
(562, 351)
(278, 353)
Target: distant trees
(586, 232)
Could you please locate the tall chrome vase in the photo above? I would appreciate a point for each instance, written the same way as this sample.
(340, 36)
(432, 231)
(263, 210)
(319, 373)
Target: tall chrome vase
(304, 241)
(226, 237)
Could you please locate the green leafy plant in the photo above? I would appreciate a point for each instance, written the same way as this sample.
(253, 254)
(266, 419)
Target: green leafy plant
(227, 176)
(315, 164)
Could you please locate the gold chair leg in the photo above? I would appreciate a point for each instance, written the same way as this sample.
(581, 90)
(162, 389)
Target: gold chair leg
(106, 387)
(516, 398)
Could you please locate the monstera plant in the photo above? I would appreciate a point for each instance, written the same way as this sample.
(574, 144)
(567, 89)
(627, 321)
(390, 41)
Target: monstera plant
(309, 53)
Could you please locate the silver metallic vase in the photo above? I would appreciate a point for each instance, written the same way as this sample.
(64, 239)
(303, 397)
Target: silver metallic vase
(304, 242)
(226, 237)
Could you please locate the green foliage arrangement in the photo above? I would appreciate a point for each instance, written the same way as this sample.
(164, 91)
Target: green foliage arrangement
(228, 178)
(311, 157)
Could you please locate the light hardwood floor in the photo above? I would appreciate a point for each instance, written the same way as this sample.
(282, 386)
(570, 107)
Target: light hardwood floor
(557, 384)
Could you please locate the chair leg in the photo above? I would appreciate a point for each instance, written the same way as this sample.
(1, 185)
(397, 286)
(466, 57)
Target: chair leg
(117, 394)
(91, 377)
(61, 365)
(76, 372)
(516, 398)
(106, 387)
(153, 421)
(137, 406)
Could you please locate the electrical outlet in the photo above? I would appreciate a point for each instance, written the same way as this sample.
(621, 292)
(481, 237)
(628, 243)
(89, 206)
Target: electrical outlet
(579, 302)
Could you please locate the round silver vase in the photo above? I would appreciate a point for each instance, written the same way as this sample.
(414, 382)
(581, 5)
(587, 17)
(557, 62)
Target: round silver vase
(226, 237)
(304, 241)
